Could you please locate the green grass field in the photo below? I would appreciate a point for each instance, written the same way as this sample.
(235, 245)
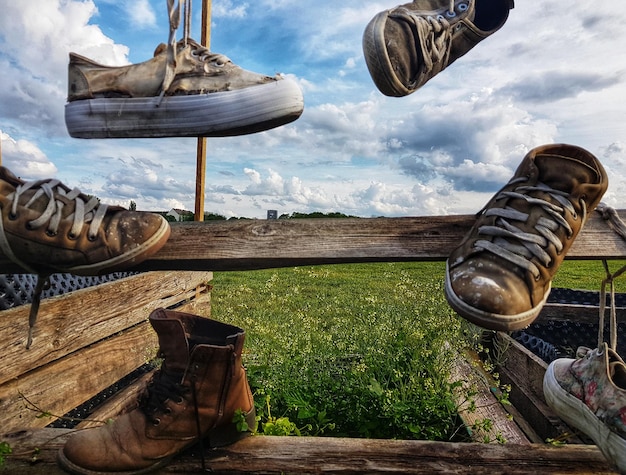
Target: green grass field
(357, 350)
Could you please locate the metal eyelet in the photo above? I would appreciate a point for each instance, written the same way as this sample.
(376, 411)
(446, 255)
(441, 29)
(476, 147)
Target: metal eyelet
(93, 238)
(450, 14)
(156, 421)
(12, 216)
(72, 236)
(50, 233)
(462, 7)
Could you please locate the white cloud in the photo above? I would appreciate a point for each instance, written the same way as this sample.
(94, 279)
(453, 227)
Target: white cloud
(25, 159)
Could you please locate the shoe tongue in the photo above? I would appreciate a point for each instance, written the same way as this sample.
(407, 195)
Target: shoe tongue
(173, 343)
(565, 173)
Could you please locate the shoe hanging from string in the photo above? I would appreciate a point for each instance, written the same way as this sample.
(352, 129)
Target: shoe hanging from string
(184, 90)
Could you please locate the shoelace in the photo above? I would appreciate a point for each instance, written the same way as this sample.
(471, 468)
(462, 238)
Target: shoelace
(434, 38)
(91, 211)
(165, 387)
(610, 215)
(162, 387)
(517, 246)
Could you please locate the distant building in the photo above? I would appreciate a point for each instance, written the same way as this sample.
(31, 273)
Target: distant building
(180, 214)
(272, 214)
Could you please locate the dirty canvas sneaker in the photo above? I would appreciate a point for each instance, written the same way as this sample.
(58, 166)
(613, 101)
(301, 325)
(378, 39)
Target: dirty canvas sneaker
(500, 275)
(589, 393)
(406, 46)
(47, 227)
(202, 94)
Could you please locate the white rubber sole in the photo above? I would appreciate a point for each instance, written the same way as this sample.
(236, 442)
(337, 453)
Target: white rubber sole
(217, 114)
(488, 320)
(576, 414)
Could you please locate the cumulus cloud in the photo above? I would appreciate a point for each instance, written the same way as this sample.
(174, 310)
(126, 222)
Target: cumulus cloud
(25, 159)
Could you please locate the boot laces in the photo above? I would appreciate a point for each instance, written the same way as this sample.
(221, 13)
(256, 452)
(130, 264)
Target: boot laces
(520, 247)
(162, 387)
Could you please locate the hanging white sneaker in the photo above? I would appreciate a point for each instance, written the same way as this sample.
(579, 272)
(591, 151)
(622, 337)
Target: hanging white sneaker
(200, 94)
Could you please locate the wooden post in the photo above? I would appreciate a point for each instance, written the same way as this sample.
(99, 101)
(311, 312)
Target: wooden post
(205, 40)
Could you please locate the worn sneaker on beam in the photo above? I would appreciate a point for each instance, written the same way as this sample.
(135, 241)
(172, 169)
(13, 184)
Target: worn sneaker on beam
(47, 227)
(408, 45)
(500, 275)
(202, 94)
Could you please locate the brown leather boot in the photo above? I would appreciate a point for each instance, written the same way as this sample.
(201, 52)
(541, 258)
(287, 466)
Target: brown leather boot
(195, 394)
(500, 276)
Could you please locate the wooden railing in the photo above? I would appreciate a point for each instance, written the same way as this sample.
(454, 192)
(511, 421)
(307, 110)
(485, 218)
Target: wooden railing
(86, 340)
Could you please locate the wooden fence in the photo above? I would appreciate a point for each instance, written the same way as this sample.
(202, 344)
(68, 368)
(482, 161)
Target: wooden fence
(88, 339)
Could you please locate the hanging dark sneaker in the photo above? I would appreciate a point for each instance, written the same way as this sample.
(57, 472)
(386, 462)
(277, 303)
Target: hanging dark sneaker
(589, 394)
(209, 96)
(500, 276)
(406, 46)
(46, 227)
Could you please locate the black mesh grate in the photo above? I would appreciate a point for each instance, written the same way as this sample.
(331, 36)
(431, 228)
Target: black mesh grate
(560, 339)
(17, 289)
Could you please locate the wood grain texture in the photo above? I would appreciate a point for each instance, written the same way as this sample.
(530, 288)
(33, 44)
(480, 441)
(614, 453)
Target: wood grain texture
(257, 244)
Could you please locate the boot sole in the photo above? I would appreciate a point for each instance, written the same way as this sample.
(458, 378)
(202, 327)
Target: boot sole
(576, 414)
(131, 258)
(218, 437)
(491, 321)
(217, 114)
(377, 59)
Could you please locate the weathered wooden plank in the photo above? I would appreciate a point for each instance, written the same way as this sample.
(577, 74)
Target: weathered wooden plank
(256, 244)
(576, 313)
(524, 372)
(478, 404)
(64, 384)
(311, 455)
(75, 320)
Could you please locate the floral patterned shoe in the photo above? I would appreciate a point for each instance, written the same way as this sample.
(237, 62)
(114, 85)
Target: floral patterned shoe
(589, 393)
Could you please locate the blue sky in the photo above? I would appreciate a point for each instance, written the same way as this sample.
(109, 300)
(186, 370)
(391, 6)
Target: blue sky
(554, 73)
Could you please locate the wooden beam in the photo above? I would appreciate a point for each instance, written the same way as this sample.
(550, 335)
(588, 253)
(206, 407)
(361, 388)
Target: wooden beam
(263, 244)
(315, 455)
(205, 40)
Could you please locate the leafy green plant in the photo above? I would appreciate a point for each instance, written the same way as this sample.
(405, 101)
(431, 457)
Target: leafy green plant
(5, 449)
(350, 350)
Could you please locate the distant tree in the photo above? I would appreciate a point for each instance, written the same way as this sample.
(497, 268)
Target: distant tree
(132, 206)
(315, 214)
(214, 217)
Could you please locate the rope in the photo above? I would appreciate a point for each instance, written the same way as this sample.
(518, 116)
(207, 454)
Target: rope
(610, 215)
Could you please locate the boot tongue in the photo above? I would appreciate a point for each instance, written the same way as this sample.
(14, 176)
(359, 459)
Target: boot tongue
(565, 173)
(173, 342)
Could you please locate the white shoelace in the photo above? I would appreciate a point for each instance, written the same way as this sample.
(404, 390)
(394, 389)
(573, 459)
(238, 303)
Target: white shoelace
(91, 212)
(519, 247)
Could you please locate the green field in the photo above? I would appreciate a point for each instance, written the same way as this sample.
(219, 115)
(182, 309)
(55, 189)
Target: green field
(357, 350)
